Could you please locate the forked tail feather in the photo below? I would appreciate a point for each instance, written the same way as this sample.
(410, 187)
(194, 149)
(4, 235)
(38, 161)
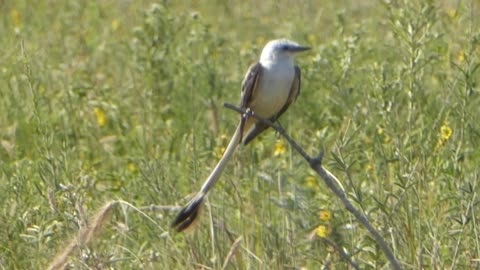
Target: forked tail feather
(188, 215)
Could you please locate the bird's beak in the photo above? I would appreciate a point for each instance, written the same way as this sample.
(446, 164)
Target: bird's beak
(299, 48)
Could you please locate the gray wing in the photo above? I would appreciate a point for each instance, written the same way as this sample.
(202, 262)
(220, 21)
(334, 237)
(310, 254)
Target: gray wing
(294, 92)
(249, 84)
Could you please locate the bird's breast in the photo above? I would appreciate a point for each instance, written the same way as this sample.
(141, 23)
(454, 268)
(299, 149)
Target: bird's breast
(274, 89)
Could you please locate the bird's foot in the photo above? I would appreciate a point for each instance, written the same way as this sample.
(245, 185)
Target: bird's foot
(248, 113)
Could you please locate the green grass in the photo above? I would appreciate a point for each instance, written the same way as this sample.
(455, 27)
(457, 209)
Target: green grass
(102, 101)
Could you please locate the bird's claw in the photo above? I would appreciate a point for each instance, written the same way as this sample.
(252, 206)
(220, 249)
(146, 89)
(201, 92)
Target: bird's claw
(248, 113)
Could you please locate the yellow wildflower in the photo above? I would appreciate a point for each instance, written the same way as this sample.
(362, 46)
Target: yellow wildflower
(279, 148)
(380, 131)
(219, 150)
(325, 215)
(323, 231)
(101, 117)
(223, 138)
(445, 132)
(452, 13)
(385, 138)
(311, 182)
(461, 56)
(132, 167)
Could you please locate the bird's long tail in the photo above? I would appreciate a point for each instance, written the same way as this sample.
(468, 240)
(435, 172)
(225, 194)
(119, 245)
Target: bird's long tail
(189, 213)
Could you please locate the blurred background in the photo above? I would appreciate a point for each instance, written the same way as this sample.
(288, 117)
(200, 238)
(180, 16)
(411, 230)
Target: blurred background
(109, 102)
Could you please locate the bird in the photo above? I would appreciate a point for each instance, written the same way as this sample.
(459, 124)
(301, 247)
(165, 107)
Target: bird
(268, 89)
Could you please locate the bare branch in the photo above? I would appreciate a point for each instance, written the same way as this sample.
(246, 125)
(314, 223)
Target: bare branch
(329, 179)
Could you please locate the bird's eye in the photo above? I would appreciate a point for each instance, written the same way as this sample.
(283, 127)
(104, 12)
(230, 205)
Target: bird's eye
(285, 47)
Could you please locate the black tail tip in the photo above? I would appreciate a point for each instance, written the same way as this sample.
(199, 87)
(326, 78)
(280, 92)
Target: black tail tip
(188, 215)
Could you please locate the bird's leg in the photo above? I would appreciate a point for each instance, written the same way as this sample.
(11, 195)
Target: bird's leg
(248, 113)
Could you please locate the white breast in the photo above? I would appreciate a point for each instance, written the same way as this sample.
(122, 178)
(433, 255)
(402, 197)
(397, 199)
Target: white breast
(274, 88)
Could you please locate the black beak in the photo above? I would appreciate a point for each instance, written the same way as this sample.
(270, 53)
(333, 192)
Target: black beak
(299, 48)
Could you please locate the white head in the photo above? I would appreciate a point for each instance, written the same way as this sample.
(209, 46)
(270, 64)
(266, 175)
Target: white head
(281, 50)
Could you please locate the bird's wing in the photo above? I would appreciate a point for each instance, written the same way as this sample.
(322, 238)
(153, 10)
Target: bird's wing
(250, 83)
(292, 96)
(249, 86)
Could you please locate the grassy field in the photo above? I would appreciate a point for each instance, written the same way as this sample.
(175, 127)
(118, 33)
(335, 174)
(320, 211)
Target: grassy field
(117, 105)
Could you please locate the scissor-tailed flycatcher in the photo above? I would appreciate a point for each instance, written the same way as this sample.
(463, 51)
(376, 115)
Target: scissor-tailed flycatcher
(269, 87)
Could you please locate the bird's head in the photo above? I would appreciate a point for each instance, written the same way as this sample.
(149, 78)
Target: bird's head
(281, 49)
